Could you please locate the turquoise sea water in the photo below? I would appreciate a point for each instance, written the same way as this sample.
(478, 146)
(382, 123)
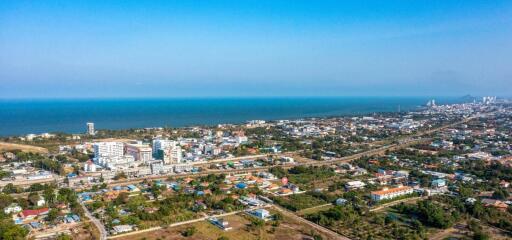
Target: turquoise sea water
(19, 117)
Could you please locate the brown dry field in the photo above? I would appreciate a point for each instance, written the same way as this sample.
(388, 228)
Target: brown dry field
(287, 230)
(23, 147)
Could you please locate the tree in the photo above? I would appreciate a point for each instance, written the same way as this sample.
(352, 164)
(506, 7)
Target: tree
(64, 237)
(10, 231)
(122, 198)
(49, 195)
(500, 194)
(52, 215)
(278, 216)
(10, 188)
(317, 237)
(481, 236)
(33, 198)
(5, 200)
(120, 175)
(189, 232)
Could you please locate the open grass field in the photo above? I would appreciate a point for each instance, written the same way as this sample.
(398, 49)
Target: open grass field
(288, 229)
(5, 147)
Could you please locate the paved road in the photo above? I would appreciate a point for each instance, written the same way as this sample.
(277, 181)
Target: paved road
(26, 182)
(180, 223)
(99, 225)
(328, 232)
(390, 204)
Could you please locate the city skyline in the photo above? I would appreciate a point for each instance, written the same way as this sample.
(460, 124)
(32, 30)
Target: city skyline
(265, 49)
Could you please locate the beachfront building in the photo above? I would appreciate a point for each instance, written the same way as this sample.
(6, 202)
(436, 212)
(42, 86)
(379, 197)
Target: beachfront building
(111, 155)
(162, 144)
(168, 151)
(173, 155)
(140, 152)
(390, 193)
(90, 128)
(108, 149)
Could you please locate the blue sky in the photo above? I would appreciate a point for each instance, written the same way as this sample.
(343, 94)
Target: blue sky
(68, 49)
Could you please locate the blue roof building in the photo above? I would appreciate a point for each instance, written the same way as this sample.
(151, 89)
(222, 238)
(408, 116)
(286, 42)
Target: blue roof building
(35, 225)
(438, 183)
(261, 213)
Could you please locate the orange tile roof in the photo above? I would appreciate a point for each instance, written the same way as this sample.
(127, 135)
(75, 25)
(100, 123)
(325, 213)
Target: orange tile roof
(392, 190)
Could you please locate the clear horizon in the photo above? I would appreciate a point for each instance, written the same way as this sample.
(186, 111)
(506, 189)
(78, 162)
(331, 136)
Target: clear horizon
(241, 97)
(172, 49)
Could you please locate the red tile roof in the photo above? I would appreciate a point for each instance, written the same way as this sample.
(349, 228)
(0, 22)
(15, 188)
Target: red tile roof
(26, 213)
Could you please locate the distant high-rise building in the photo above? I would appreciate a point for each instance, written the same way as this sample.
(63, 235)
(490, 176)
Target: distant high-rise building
(488, 100)
(431, 103)
(90, 128)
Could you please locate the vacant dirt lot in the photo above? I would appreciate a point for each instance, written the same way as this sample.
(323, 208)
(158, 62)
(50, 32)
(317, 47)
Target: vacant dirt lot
(4, 147)
(287, 230)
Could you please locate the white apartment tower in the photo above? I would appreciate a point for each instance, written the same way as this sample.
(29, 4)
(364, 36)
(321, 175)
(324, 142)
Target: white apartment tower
(167, 150)
(173, 155)
(90, 128)
(108, 149)
(162, 144)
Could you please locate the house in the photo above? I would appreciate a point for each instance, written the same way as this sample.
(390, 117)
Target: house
(285, 191)
(221, 223)
(273, 186)
(390, 193)
(293, 187)
(121, 229)
(35, 225)
(69, 219)
(494, 203)
(438, 183)
(41, 202)
(341, 201)
(31, 214)
(354, 185)
(470, 201)
(133, 188)
(261, 213)
(13, 208)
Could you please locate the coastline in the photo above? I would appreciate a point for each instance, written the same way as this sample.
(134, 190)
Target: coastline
(70, 115)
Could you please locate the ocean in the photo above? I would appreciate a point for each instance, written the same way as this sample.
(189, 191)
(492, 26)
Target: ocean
(20, 117)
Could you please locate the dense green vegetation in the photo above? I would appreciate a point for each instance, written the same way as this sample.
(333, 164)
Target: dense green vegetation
(358, 223)
(66, 196)
(430, 213)
(298, 201)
